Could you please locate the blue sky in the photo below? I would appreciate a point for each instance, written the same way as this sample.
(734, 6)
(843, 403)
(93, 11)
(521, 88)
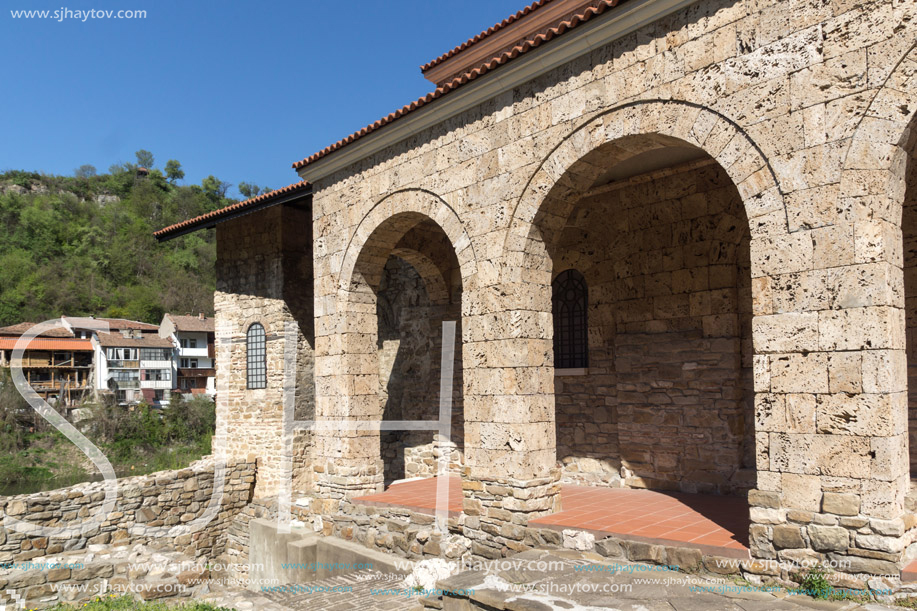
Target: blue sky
(240, 90)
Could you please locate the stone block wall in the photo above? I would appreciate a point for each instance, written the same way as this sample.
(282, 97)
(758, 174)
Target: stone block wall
(663, 403)
(163, 499)
(803, 105)
(264, 276)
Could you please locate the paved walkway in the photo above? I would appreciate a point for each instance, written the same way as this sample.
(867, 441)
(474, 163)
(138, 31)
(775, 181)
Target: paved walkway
(543, 580)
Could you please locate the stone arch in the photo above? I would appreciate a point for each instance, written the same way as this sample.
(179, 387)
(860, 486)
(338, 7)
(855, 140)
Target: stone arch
(437, 286)
(879, 182)
(411, 229)
(875, 162)
(623, 132)
(400, 211)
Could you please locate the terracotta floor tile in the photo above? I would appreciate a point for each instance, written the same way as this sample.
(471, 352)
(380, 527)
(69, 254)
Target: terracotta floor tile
(689, 518)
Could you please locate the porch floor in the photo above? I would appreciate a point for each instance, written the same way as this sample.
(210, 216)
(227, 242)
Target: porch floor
(715, 524)
(418, 495)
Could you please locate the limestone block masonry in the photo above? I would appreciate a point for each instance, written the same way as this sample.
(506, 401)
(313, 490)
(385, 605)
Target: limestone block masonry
(734, 182)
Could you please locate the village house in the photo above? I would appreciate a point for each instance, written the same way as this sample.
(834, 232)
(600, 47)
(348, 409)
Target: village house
(56, 364)
(192, 339)
(679, 240)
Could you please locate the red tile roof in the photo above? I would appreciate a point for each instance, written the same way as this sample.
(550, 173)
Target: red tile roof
(20, 328)
(116, 339)
(489, 31)
(232, 208)
(520, 49)
(192, 324)
(123, 323)
(40, 343)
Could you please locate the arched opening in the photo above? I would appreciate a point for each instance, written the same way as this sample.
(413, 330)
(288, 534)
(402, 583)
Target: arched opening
(666, 401)
(410, 279)
(909, 235)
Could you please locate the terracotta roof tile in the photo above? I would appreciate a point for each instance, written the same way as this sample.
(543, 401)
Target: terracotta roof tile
(40, 343)
(488, 32)
(116, 339)
(20, 328)
(238, 206)
(192, 324)
(520, 49)
(123, 323)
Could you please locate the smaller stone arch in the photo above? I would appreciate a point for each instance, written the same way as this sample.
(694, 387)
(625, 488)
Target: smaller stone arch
(436, 285)
(388, 222)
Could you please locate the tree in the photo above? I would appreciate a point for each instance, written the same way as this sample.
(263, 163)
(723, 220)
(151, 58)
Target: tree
(250, 190)
(144, 158)
(174, 171)
(85, 171)
(214, 187)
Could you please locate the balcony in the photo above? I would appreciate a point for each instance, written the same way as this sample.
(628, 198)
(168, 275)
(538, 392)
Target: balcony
(199, 372)
(119, 364)
(155, 364)
(126, 384)
(200, 351)
(156, 384)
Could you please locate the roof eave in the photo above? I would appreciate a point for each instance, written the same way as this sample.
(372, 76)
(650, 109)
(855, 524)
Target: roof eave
(623, 20)
(287, 198)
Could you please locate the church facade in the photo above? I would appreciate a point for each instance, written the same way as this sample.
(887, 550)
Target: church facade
(679, 243)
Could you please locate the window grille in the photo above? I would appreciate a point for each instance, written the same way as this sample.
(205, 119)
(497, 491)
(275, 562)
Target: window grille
(569, 301)
(256, 356)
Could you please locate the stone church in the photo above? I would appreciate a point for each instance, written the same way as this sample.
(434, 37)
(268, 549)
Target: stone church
(679, 242)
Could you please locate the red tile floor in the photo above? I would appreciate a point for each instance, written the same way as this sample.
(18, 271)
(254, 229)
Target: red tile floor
(418, 494)
(715, 524)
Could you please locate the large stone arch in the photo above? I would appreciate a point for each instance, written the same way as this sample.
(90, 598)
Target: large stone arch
(879, 164)
(873, 169)
(622, 132)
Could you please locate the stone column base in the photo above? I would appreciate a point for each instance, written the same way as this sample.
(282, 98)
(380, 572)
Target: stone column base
(497, 510)
(336, 481)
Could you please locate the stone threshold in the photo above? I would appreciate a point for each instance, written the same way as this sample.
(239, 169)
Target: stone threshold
(705, 550)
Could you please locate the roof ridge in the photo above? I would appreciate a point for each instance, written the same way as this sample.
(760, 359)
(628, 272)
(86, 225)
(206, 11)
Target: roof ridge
(455, 83)
(485, 34)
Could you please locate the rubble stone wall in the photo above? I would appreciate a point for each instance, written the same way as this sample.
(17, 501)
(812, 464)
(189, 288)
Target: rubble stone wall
(163, 499)
(264, 276)
(410, 347)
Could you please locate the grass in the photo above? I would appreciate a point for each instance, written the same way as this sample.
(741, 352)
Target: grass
(815, 583)
(118, 603)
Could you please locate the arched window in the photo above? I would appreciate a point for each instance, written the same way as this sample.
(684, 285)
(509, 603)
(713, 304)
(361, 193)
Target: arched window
(569, 300)
(256, 356)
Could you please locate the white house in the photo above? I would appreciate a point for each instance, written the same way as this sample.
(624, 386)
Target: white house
(131, 360)
(192, 337)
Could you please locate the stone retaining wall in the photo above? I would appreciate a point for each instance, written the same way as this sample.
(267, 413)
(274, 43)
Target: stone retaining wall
(163, 499)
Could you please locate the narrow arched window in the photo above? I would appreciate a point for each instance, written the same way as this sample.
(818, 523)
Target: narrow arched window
(569, 301)
(256, 356)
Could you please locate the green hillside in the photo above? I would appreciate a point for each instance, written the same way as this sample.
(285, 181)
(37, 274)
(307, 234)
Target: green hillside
(83, 244)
